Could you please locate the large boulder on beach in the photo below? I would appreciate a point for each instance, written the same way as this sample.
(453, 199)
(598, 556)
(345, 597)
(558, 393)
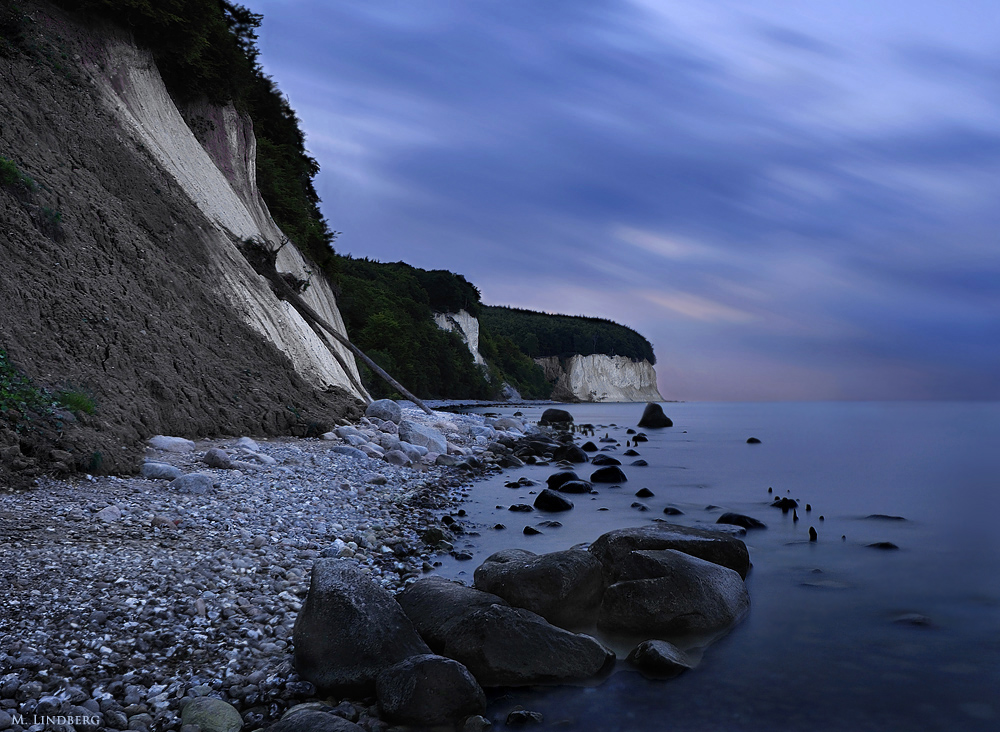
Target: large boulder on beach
(212, 715)
(160, 471)
(433, 603)
(712, 546)
(508, 424)
(385, 409)
(349, 630)
(563, 587)
(667, 592)
(194, 483)
(653, 417)
(553, 416)
(310, 720)
(171, 444)
(506, 646)
(418, 434)
(499, 644)
(428, 690)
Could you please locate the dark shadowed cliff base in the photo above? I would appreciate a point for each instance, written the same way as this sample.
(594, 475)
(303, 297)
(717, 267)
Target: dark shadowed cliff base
(103, 284)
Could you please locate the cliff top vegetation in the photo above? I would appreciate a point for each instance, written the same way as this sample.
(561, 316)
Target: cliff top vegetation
(541, 335)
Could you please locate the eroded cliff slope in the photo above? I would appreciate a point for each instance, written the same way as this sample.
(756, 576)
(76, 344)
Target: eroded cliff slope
(121, 274)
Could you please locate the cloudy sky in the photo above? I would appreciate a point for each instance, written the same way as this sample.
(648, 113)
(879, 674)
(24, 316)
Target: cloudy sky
(791, 200)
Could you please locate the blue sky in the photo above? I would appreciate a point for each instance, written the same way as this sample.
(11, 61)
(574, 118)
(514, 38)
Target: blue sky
(790, 200)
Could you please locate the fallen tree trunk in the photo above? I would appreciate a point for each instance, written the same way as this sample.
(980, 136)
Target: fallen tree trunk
(263, 259)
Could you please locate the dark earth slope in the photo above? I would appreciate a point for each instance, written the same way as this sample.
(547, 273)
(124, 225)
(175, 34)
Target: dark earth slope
(102, 281)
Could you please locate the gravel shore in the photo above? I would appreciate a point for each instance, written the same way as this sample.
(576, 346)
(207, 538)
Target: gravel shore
(124, 596)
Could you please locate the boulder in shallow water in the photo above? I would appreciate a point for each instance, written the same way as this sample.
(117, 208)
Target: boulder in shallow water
(653, 417)
(554, 416)
(549, 500)
(576, 486)
(570, 454)
(739, 519)
(712, 546)
(349, 630)
(557, 479)
(659, 659)
(605, 460)
(563, 587)
(428, 690)
(608, 474)
(667, 592)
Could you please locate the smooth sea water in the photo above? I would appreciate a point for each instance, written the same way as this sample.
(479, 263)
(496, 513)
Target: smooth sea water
(823, 647)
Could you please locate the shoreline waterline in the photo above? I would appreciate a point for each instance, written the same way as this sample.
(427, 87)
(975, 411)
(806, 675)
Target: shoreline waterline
(840, 634)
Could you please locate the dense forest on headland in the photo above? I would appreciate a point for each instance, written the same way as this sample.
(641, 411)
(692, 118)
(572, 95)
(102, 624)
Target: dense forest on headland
(540, 334)
(207, 49)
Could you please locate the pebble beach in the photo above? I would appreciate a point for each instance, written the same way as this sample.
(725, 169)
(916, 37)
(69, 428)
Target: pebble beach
(124, 597)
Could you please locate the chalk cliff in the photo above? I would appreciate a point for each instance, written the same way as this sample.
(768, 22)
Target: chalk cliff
(121, 275)
(599, 378)
(466, 326)
(219, 173)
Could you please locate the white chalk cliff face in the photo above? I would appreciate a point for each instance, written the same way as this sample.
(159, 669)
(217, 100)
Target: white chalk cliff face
(599, 378)
(219, 174)
(466, 326)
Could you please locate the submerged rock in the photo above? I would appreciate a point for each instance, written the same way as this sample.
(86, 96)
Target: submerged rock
(739, 519)
(659, 659)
